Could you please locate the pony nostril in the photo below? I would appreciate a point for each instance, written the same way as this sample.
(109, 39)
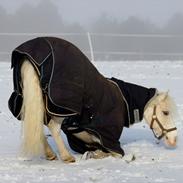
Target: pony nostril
(166, 138)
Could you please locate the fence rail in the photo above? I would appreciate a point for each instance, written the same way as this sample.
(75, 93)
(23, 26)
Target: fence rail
(93, 34)
(108, 46)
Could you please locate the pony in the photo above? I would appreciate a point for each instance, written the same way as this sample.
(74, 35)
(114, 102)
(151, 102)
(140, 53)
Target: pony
(56, 85)
(159, 115)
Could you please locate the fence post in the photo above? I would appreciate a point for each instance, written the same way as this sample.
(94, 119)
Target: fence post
(91, 47)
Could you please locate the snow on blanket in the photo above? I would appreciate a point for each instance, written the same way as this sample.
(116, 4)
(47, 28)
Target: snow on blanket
(152, 162)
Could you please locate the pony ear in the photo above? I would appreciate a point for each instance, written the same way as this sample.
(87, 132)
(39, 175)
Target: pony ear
(166, 95)
(167, 92)
(162, 96)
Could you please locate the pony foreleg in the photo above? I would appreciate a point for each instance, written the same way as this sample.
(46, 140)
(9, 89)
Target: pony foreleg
(54, 128)
(50, 155)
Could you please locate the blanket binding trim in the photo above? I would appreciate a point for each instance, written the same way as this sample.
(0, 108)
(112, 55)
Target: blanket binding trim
(127, 106)
(101, 142)
(55, 114)
(52, 52)
(35, 66)
(155, 94)
(14, 106)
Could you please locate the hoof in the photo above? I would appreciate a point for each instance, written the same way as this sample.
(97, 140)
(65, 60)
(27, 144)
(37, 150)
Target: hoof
(87, 155)
(69, 159)
(129, 158)
(51, 158)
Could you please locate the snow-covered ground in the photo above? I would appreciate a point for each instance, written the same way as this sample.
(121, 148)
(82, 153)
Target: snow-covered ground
(154, 162)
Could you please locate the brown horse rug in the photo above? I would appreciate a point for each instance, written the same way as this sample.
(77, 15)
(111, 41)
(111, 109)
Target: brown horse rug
(73, 88)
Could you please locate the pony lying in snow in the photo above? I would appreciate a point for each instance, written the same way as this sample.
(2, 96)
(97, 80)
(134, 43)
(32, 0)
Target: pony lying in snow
(56, 85)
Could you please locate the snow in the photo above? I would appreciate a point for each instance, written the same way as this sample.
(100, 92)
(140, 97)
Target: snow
(153, 161)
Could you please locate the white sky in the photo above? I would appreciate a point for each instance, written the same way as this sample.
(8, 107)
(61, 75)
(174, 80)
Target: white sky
(84, 11)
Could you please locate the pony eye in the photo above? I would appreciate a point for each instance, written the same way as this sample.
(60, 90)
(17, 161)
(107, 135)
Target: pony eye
(166, 113)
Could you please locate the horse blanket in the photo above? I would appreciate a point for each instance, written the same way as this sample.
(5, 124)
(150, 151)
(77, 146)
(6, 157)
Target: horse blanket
(73, 88)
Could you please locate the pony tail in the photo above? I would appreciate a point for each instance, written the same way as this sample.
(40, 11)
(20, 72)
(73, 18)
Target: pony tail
(32, 112)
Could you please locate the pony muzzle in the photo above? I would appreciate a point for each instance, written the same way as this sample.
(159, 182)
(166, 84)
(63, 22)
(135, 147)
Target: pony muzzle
(170, 140)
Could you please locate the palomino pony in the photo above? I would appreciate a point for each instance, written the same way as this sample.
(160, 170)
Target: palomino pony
(158, 113)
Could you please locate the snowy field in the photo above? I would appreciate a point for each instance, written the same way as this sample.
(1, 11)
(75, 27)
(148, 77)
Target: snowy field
(154, 162)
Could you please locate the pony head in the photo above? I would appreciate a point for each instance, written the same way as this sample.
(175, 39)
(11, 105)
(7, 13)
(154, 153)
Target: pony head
(160, 114)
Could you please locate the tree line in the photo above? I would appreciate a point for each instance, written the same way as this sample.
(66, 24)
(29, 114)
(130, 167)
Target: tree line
(45, 18)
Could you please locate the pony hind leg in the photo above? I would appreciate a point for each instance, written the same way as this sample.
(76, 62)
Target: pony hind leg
(49, 153)
(54, 127)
